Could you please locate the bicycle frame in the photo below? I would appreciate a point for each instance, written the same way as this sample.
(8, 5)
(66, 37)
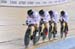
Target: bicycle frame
(42, 27)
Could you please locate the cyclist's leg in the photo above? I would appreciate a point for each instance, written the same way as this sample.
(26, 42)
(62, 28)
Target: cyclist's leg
(66, 29)
(54, 35)
(67, 26)
(32, 30)
(47, 26)
(36, 34)
(42, 28)
(61, 30)
(38, 30)
(55, 30)
(44, 31)
(37, 27)
(50, 33)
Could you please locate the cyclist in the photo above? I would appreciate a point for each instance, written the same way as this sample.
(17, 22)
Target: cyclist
(64, 18)
(32, 21)
(54, 19)
(45, 18)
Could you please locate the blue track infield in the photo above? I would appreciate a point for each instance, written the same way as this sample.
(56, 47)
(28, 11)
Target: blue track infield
(64, 44)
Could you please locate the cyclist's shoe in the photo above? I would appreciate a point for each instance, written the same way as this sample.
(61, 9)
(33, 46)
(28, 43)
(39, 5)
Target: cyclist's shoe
(41, 34)
(31, 37)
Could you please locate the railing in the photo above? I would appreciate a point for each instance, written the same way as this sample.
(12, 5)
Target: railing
(30, 2)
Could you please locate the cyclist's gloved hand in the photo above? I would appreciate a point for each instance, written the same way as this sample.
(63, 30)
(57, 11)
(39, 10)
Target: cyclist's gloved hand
(42, 21)
(63, 20)
(59, 20)
(26, 22)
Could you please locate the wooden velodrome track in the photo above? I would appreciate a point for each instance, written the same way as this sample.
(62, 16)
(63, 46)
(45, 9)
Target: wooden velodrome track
(12, 18)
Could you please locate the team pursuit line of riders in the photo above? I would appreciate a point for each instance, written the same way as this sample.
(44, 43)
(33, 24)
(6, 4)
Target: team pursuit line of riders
(44, 24)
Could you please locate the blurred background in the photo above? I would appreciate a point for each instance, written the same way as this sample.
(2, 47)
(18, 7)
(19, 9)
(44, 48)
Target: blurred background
(12, 18)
